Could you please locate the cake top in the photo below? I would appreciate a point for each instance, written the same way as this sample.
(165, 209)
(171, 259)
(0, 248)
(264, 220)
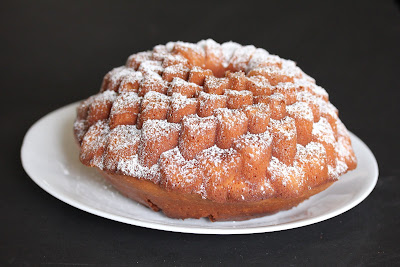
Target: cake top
(207, 117)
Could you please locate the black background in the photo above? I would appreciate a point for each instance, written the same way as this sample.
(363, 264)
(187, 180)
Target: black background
(53, 53)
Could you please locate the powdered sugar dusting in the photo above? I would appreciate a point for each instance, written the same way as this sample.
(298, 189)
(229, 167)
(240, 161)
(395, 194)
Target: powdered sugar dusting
(105, 96)
(187, 135)
(132, 167)
(285, 127)
(125, 101)
(262, 141)
(80, 128)
(158, 128)
(181, 174)
(154, 98)
(334, 172)
(284, 174)
(300, 110)
(179, 101)
(241, 56)
(228, 49)
(124, 136)
(259, 57)
(93, 144)
(323, 130)
(178, 69)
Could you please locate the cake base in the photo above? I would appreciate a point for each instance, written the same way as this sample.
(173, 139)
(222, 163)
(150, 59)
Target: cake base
(182, 205)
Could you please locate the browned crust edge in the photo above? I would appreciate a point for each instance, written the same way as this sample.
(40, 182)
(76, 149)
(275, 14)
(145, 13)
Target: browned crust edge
(179, 205)
(183, 205)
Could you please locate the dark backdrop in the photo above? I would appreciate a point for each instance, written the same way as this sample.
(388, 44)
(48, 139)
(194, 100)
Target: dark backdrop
(53, 53)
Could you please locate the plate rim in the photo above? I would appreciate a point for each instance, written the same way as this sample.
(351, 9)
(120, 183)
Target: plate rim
(191, 229)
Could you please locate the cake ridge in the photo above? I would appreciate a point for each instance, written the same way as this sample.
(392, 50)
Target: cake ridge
(204, 105)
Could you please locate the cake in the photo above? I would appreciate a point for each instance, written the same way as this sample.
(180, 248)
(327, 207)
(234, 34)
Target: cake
(223, 131)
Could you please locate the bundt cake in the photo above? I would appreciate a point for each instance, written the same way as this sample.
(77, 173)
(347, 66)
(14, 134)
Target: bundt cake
(223, 131)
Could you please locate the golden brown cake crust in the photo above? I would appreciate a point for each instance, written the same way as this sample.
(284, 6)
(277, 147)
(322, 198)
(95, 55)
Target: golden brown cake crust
(223, 131)
(182, 205)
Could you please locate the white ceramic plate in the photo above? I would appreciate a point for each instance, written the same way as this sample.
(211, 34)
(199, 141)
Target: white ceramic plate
(50, 157)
